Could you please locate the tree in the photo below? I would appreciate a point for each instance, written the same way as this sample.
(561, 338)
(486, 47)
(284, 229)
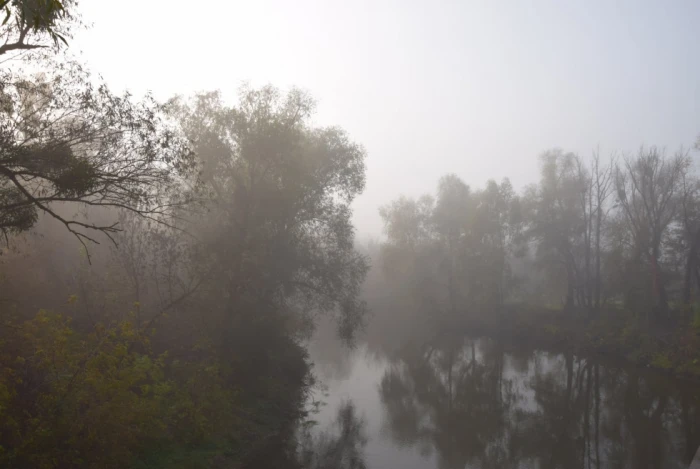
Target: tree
(280, 211)
(451, 217)
(496, 238)
(452, 252)
(407, 222)
(687, 234)
(601, 188)
(67, 144)
(595, 183)
(648, 189)
(555, 217)
(36, 24)
(274, 248)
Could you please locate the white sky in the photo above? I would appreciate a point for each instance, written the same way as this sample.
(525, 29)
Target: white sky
(478, 88)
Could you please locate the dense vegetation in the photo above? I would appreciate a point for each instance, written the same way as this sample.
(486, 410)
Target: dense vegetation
(611, 245)
(161, 263)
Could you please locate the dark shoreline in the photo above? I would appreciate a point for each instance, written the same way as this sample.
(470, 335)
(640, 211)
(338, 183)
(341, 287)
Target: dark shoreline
(613, 337)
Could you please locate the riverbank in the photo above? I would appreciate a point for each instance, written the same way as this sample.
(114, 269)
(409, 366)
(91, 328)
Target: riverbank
(614, 334)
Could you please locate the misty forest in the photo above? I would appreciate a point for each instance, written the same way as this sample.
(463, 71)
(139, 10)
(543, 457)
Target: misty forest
(181, 286)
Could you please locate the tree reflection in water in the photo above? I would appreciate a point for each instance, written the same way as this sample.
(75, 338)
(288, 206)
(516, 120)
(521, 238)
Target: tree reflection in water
(340, 447)
(475, 405)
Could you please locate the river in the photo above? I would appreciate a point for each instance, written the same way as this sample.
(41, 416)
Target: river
(479, 403)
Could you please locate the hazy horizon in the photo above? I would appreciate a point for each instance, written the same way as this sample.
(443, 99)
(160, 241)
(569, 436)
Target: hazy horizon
(474, 88)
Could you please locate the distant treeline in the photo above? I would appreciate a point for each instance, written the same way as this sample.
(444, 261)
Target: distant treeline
(622, 231)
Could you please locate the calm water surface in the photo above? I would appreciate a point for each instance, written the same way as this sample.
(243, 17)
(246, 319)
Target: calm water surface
(476, 403)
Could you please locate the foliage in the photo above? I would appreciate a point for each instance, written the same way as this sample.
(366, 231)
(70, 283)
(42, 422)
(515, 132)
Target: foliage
(36, 24)
(278, 220)
(587, 237)
(84, 391)
(68, 142)
(230, 230)
(208, 363)
(232, 233)
(452, 252)
(105, 399)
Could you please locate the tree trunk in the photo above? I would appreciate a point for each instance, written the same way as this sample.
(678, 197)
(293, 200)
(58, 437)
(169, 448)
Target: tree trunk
(659, 289)
(570, 279)
(589, 230)
(688, 277)
(569, 288)
(689, 268)
(597, 257)
(450, 278)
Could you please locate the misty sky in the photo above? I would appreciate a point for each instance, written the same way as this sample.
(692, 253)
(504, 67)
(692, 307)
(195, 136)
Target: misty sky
(478, 88)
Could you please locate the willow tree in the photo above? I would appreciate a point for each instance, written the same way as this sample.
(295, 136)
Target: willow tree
(67, 144)
(36, 24)
(279, 223)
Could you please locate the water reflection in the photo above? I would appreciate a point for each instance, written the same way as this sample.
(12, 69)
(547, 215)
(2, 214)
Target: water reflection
(471, 403)
(339, 447)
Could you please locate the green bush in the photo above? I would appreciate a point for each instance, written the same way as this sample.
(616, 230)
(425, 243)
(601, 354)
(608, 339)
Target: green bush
(105, 400)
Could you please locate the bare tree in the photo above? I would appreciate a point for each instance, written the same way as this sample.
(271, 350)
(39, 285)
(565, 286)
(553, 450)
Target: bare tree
(585, 184)
(648, 188)
(601, 187)
(688, 238)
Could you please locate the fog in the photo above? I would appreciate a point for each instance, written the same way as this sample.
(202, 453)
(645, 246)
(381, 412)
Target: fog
(477, 88)
(349, 235)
